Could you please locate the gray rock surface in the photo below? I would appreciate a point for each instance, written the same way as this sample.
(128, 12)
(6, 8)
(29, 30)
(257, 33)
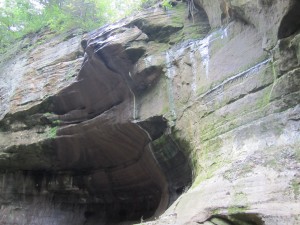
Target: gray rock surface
(158, 106)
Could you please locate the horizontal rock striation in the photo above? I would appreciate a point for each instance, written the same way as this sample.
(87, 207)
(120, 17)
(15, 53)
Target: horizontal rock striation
(234, 98)
(73, 149)
(202, 104)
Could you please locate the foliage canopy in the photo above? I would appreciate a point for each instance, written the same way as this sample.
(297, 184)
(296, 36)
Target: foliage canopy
(20, 17)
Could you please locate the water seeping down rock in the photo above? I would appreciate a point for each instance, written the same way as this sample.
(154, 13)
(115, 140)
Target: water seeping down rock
(111, 127)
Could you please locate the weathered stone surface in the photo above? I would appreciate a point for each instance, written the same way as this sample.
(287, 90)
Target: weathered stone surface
(156, 101)
(236, 111)
(79, 142)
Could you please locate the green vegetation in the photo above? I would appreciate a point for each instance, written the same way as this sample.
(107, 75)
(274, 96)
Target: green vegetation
(52, 132)
(296, 188)
(237, 209)
(239, 203)
(166, 4)
(22, 17)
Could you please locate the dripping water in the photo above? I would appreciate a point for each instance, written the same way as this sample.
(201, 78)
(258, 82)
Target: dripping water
(197, 47)
(148, 61)
(204, 52)
(224, 32)
(134, 105)
(194, 70)
(170, 76)
(202, 47)
(3, 183)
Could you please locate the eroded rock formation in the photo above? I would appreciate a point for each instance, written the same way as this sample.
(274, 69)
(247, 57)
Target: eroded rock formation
(113, 126)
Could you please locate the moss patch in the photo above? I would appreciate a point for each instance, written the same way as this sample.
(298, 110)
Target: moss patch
(239, 203)
(296, 188)
(52, 132)
(30, 157)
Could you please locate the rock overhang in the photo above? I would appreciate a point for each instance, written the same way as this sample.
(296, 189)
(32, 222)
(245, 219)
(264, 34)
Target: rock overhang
(180, 112)
(91, 143)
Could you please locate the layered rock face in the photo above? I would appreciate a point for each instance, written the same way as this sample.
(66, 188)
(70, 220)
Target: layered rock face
(113, 126)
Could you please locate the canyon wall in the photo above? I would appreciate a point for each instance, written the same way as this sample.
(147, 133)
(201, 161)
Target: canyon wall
(170, 116)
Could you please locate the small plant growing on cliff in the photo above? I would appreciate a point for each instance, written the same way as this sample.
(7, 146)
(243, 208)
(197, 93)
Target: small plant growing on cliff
(166, 4)
(52, 132)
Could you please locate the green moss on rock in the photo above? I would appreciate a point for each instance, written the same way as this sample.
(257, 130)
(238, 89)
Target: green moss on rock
(52, 132)
(296, 188)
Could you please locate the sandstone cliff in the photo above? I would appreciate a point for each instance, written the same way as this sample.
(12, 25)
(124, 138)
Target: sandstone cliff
(179, 120)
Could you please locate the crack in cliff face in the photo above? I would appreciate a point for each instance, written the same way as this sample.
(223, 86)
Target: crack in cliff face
(235, 219)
